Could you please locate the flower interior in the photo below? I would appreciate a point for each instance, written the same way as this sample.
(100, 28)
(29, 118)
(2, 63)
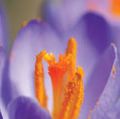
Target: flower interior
(67, 82)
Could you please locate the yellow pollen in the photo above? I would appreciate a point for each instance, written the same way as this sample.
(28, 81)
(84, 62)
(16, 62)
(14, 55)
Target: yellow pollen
(67, 82)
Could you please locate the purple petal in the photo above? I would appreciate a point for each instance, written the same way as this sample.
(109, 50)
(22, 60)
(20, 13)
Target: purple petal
(115, 111)
(25, 108)
(1, 116)
(97, 81)
(92, 33)
(7, 88)
(116, 34)
(2, 61)
(96, 29)
(3, 91)
(108, 106)
(35, 37)
(62, 15)
(5, 85)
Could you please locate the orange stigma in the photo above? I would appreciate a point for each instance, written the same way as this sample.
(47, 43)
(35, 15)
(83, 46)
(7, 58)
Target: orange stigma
(67, 82)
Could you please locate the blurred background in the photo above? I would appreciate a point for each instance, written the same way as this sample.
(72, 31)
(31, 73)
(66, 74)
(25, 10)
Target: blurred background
(19, 11)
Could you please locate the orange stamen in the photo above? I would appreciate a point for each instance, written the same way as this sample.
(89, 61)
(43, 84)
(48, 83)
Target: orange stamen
(39, 81)
(68, 89)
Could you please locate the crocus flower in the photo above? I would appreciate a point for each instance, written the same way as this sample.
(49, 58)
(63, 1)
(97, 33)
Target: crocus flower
(26, 89)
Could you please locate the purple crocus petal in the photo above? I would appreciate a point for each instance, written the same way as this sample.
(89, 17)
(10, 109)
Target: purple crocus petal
(114, 113)
(96, 29)
(26, 108)
(2, 56)
(8, 89)
(97, 81)
(116, 34)
(33, 38)
(63, 14)
(92, 33)
(2, 61)
(1, 116)
(108, 106)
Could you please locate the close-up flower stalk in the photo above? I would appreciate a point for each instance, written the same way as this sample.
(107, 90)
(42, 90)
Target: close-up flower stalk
(60, 59)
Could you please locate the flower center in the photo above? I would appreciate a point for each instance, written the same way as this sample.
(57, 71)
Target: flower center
(67, 83)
